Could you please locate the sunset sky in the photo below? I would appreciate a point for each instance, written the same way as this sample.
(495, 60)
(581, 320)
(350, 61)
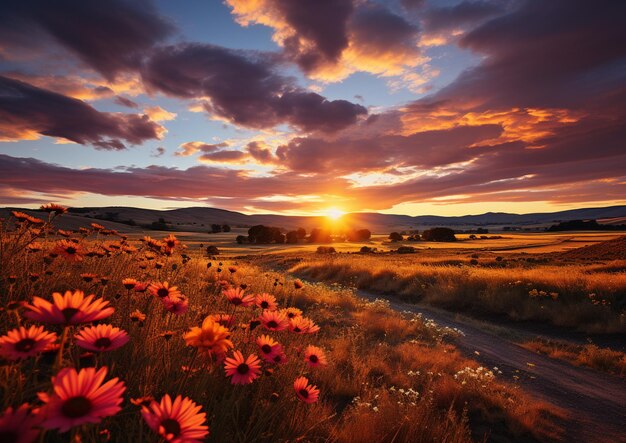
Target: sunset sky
(400, 106)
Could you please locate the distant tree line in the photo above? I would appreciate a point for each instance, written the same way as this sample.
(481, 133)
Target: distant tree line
(434, 234)
(584, 225)
(261, 234)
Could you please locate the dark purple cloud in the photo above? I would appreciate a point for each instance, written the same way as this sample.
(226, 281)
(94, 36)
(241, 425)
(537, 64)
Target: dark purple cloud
(243, 88)
(124, 101)
(26, 109)
(465, 13)
(109, 37)
(376, 28)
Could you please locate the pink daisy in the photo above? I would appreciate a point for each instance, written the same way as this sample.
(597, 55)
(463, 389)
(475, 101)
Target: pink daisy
(315, 356)
(179, 421)
(176, 305)
(68, 309)
(302, 325)
(266, 301)
(79, 398)
(268, 348)
(274, 320)
(304, 391)
(236, 297)
(101, 338)
(18, 425)
(22, 343)
(242, 371)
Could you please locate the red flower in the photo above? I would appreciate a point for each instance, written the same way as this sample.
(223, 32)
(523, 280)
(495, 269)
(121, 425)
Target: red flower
(179, 421)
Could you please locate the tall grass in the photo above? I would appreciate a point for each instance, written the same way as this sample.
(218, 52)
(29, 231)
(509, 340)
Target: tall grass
(390, 376)
(591, 298)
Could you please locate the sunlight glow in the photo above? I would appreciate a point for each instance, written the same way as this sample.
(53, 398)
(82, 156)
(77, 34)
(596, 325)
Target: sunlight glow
(334, 213)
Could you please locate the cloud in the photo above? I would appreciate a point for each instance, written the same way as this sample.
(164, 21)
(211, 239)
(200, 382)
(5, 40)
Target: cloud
(158, 152)
(225, 156)
(329, 40)
(243, 89)
(191, 148)
(27, 112)
(124, 101)
(461, 15)
(260, 152)
(158, 114)
(109, 39)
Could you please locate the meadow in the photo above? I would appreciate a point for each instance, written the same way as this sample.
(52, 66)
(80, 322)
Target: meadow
(103, 338)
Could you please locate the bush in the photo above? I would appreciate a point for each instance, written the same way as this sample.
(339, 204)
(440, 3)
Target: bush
(367, 249)
(261, 234)
(406, 250)
(320, 236)
(225, 228)
(325, 250)
(215, 228)
(212, 250)
(439, 234)
(395, 236)
(241, 239)
(292, 237)
(301, 233)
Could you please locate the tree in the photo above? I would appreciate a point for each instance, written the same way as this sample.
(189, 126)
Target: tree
(241, 239)
(395, 236)
(292, 237)
(301, 233)
(359, 235)
(215, 228)
(439, 234)
(320, 236)
(225, 228)
(261, 234)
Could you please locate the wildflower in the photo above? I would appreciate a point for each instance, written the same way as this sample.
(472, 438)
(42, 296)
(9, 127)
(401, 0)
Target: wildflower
(34, 247)
(53, 207)
(292, 312)
(242, 371)
(304, 391)
(211, 337)
(141, 286)
(23, 217)
(32, 276)
(137, 315)
(104, 280)
(176, 305)
(97, 227)
(280, 358)
(12, 279)
(129, 283)
(180, 421)
(68, 309)
(69, 250)
(315, 356)
(223, 319)
(142, 401)
(79, 398)
(101, 338)
(302, 325)
(63, 233)
(167, 335)
(19, 425)
(232, 269)
(274, 320)
(236, 297)
(298, 284)
(163, 290)
(268, 347)
(22, 343)
(266, 301)
(170, 241)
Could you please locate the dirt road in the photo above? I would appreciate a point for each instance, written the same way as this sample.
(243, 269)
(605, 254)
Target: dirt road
(595, 403)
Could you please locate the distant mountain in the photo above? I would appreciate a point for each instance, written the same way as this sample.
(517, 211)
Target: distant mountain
(200, 219)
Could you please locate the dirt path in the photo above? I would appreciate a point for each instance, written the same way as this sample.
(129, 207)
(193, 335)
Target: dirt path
(595, 403)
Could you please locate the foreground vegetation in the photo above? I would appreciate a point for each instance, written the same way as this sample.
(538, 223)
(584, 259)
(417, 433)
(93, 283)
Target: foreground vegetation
(589, 297)
(315, 363)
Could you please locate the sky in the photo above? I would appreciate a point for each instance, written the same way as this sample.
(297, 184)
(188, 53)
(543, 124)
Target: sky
(415, 107)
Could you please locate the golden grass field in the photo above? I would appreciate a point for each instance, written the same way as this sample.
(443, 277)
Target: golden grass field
(389, 376)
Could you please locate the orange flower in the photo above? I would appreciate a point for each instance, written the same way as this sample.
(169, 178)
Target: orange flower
(163, 290)
(176, 305)
(315, 356)
(22, 343)
(266, 301)
(68, 309)
(64, 233)
(236, 297)
(170, 241)
(129, 283)
(211, 337)
(23, 217)
(137, 315)
(34, 247)
(292, 312)
(79, 398)
(53, 207)
(69, 250)
(97, 227)
(302, 325)
(88, 277)
(304, 391)
(242, 371)
(274, 320)
(223, 319)
(179, 421)
(298, 284)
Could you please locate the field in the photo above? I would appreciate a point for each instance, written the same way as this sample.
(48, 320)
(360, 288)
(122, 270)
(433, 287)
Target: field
(373, 370)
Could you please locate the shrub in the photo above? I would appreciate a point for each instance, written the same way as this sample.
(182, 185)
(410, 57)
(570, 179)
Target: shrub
(359, 235)
(301, 233)
(406, 250)
(292, 237)
(212, 250)
(261, 234)
(395, 236)
(241, 239)
(320, 236)
(225, 228)
(325, 250)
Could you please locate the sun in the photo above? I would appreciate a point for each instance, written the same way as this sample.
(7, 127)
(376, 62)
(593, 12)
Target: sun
(334, 213)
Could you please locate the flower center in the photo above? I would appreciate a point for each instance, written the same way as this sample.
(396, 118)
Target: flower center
(243, 368)
(75, 407)
(102, 342)
(272, 324)
(25, 345)
(171, 427)
(313, 358)
(297, 329)
(162, 292)
(266, 349)
(70, 250)
(304, 393)
(68, 313)
(265, 305)
(236, 301)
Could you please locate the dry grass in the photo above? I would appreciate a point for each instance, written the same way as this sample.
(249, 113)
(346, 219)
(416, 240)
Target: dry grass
(390, 377)
(492, 287)
(591, 356)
